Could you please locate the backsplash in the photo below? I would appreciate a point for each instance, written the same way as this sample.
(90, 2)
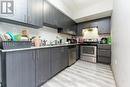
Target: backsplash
(46, 33)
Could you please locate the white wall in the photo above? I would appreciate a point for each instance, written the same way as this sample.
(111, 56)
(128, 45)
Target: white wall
(121, 42)
(46, 33)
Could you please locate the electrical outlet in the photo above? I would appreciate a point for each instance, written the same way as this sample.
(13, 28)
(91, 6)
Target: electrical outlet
(116, 62)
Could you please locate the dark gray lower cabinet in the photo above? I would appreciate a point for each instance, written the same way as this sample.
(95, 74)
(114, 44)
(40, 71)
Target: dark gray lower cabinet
(20, 69)
(55, 61)
(104, 53)
(32, 68)
(64, 57)
(42, 66)
(59, 59)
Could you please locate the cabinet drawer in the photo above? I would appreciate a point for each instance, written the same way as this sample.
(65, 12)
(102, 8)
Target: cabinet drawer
(106, 60)
(105, 53)
(104, 46)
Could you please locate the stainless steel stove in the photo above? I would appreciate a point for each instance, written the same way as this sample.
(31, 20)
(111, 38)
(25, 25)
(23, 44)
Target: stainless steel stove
(89, 51)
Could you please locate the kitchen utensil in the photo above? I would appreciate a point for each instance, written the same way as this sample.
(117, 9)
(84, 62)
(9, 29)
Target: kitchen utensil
(11, 35)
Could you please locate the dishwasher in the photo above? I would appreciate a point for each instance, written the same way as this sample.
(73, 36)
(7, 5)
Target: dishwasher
(72, 54)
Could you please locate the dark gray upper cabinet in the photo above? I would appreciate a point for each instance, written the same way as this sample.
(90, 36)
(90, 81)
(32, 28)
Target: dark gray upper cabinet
(70, 27)
(46, 10)
(20, 69)
(36, 13)
(52, 16)
(26, 12)
(49, 19)
(103, 24)
(20, 12)
(56, 19)
(42, 66)
(35, 8)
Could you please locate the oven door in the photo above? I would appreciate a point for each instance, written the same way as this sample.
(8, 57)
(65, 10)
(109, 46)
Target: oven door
(88, 51)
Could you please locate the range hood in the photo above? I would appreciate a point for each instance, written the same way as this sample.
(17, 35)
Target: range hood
(90, 33)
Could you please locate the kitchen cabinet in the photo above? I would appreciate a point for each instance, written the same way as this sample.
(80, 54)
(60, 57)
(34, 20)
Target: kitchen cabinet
(64, 57)
(20, 69)
(59, 59)
(103, 24)
(47, 14)
(35, 8)
(51, 15)
(69, 29)
(42, 66)
(55, 61)
(26, 12)
(104, 53)
(32, 68)
(20, 11)
(56, 19)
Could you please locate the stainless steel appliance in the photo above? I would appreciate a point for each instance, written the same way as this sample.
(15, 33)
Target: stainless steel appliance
(72, 54)
(88, 53)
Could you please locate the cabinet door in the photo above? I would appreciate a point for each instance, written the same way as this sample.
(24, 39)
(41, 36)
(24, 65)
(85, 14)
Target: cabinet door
(42, 66)
(64, 57)
(105, 60)
(58, 18)
(104, 26)
(20, 11)
(20, 69)
(55, 61)
(35, 8)
(46, 10)
(50, 13)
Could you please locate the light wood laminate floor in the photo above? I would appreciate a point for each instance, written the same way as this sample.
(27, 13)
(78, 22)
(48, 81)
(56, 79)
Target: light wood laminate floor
(83, 74)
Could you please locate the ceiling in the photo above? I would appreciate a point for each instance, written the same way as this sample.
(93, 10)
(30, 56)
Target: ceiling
(74, 5)
(84, 10)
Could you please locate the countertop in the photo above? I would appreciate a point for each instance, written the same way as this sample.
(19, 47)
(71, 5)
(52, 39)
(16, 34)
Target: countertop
(33, 48)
